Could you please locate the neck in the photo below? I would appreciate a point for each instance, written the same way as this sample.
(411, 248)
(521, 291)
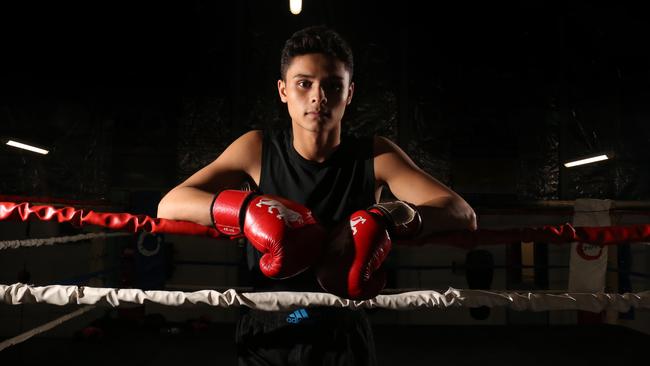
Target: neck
(316, 146)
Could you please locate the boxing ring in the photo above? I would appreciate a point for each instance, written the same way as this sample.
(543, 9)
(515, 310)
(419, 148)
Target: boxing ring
(125, 224)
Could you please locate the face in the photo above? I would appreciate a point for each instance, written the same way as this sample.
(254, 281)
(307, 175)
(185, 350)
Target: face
(316, 89)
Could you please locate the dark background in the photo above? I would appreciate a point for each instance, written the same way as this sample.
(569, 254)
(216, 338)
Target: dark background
(489, 98)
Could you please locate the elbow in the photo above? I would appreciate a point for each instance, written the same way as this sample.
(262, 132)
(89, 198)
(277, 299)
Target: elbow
(470, 221)
(466, 216)
(164, 211)
(161, 213)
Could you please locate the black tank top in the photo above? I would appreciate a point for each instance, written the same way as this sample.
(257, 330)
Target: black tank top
(333, 190)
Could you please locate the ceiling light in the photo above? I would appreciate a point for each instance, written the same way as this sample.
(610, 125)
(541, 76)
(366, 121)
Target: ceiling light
(295, 6)
(23, 146)
(584, 161)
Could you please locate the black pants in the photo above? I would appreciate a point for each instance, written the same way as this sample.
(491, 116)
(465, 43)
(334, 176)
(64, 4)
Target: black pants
(310, 336)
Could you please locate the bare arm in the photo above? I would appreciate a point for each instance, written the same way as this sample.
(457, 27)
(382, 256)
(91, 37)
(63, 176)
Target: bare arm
(191, 200)
(441, 208)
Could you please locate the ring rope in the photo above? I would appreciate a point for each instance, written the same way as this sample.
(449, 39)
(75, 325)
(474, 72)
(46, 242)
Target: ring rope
(557, 234)
(14, 244)
(283, 300)
(117, 221)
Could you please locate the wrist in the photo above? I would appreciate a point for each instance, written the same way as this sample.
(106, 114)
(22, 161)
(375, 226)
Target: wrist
(402, 219)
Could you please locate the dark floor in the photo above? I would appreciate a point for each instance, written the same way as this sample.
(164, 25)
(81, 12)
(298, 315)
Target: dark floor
(396, 345)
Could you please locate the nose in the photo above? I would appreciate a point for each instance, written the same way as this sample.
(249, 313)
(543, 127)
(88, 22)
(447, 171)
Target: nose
(318, 95)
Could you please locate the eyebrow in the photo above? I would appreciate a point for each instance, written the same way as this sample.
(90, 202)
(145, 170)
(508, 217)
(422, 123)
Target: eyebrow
(307, 76)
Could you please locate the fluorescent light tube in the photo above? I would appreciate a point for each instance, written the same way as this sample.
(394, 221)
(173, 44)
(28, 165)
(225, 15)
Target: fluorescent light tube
(20, 145)
(586, 161)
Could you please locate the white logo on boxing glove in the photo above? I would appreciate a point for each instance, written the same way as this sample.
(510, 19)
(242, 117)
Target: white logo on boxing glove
(354, 221)
(287, 215)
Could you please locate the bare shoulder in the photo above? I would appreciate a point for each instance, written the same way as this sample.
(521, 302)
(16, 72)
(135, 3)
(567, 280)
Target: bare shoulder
(252, 136)
(245, 153)
(384, 145)
(245, 145)
(389, 159)
(240, 162)
(250, 140)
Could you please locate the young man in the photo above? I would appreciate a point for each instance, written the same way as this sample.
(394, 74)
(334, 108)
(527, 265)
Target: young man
(313, 222)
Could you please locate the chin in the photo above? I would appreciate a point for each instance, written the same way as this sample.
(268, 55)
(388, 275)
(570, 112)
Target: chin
(314, 126)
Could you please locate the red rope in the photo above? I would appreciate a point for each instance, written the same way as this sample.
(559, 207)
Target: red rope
(557, 234)
(115, 221)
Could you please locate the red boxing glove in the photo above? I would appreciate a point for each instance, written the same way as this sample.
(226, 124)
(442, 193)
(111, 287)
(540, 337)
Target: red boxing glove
(351, 267)
(285, 231)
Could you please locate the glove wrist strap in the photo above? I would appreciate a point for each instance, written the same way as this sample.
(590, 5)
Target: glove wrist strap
(223, 206)
(402, 218)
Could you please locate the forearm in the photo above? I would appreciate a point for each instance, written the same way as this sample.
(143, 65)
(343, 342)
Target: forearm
(187, 203)
(446, 213)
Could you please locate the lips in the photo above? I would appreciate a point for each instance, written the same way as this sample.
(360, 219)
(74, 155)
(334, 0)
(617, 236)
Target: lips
(317, 113)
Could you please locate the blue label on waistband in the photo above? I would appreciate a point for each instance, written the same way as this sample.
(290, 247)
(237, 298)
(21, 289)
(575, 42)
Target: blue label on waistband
(297, 316)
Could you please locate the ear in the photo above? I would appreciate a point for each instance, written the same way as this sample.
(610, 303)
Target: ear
(350, 93)
(282, 90)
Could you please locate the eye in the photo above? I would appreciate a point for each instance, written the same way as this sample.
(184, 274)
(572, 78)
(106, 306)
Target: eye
(334, 87)
(305, 84)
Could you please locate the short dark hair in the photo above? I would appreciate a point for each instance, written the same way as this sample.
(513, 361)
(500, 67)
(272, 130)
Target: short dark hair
(316, 39)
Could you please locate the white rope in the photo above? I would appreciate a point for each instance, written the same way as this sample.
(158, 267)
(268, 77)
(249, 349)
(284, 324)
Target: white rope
(43, 328)
(62, 295)
(13, 244)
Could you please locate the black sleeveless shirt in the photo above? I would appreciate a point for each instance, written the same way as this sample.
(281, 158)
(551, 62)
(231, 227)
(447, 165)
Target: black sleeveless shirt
(333, 190)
